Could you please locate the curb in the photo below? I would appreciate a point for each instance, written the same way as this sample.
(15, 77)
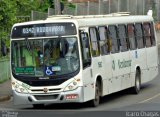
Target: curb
(5, 98)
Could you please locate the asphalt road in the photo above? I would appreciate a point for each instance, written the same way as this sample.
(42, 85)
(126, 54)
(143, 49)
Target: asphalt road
(117, 104)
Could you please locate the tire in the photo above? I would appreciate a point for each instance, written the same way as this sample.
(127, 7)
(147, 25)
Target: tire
(137, 86)
(95, 102)
(38, 106)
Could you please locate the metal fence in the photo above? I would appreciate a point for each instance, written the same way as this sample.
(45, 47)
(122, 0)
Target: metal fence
(36, 15)
(5, 69)
(135, 7)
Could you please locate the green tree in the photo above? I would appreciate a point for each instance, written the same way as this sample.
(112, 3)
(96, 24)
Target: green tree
(7, 16)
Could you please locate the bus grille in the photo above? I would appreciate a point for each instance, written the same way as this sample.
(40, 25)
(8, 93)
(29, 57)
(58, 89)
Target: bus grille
(42, 90)
(46, 97)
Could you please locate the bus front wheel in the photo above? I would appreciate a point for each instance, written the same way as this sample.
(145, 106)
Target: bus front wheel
(95, 102)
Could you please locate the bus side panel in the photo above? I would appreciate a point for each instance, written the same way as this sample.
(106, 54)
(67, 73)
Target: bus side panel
(125, 65)
(87, 81)
(120, 71)
(133, 65)
(89, 78)
(134, 59)
(139, 60)
(152, 63)
(115, 81)
(106, 73)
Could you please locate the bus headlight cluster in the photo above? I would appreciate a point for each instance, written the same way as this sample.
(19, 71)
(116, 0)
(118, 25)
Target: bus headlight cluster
(73, 85)
(19, 88)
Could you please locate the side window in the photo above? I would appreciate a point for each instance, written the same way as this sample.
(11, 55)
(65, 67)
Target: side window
(113, 37)
(139, 35)
(152, 34)
(122, 38)
(104, 41)
(94, 42)
(131, 36)
(86, 56)
(147, 34)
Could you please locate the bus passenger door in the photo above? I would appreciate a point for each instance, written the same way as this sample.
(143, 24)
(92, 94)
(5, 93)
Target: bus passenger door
(87, 74)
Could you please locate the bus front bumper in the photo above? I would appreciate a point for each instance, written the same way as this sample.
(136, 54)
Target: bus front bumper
(75, 96)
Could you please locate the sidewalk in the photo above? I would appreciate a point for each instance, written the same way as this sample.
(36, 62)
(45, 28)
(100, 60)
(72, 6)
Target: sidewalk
(5, 91)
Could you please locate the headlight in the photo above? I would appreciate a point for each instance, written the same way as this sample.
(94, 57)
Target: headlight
(73, 85)
(19, 88)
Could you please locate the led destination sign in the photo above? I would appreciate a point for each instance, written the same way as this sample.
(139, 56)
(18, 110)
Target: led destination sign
(41, 30)
(49, 29)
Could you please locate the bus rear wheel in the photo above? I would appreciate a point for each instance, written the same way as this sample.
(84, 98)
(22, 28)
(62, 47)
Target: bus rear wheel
(137, 87)
(95, 102)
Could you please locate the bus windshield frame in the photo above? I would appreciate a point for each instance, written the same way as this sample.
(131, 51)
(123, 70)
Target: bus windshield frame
(47, 57)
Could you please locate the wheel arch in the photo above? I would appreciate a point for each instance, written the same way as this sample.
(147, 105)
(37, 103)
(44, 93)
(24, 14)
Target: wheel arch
(139, 70)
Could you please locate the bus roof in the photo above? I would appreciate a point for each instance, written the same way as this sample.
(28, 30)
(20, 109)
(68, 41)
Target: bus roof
(94, 20)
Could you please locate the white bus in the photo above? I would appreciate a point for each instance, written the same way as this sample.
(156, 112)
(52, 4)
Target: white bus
(76, 59)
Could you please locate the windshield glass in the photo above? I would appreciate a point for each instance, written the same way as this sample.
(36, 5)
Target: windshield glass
(45, 57)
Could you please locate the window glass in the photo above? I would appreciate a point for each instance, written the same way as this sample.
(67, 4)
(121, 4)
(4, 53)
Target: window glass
(113, 38)
(139, 35)
(122, 37)
(94, 43)
(131, 36)
(147, 34)
(152, 34)
(104, 41)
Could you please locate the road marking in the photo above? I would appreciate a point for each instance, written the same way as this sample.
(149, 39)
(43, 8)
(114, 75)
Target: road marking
(150, 98)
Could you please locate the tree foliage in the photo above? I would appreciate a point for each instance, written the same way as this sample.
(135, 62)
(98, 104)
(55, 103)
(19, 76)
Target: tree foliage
(7, 15)
(10, 10)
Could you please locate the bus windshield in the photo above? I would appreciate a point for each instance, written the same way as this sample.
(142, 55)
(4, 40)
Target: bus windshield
(45, 57)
